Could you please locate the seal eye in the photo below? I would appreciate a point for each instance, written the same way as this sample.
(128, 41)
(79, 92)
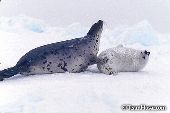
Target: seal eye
(145, 52)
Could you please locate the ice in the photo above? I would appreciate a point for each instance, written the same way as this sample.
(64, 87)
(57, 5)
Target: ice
(75, 30)
(22, 23)
(141, 33)
(89, 91)
(35, 27)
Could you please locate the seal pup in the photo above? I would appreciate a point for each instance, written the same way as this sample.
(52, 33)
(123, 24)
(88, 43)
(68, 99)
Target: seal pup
(72, 56)
(122, 59)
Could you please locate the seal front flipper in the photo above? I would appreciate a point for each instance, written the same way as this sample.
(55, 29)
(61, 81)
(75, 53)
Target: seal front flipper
(6, 73)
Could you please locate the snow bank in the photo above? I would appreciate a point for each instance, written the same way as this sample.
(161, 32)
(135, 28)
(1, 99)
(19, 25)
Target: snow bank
(141, 34)
(22, 23)
(87, 92)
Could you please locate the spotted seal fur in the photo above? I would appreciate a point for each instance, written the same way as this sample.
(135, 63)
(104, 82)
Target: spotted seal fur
(72, 56)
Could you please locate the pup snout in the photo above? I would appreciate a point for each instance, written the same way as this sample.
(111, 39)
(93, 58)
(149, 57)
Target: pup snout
(147, 52)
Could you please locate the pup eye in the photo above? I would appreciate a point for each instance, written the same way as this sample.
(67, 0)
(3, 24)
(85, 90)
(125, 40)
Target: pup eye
(145, 52)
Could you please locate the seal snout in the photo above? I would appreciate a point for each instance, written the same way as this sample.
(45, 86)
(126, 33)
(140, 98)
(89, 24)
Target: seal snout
(147, 53)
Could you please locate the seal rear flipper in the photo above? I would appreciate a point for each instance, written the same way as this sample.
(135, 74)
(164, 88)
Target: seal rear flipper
(6, 73)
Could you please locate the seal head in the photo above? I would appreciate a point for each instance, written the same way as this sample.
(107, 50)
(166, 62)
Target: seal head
(96, 28)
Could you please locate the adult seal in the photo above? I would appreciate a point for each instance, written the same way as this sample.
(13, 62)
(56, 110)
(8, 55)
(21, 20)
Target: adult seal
(122, 59)
(72, 56)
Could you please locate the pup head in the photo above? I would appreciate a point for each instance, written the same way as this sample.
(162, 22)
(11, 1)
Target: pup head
(145, 54)
(143, 58)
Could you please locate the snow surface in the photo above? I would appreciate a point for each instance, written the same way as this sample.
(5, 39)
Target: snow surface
(89, 91)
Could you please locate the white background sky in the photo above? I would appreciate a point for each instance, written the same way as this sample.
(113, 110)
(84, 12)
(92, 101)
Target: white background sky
(113, 12)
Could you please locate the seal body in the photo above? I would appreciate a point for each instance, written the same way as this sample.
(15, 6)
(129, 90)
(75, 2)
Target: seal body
(122, 59)
(67, 56)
